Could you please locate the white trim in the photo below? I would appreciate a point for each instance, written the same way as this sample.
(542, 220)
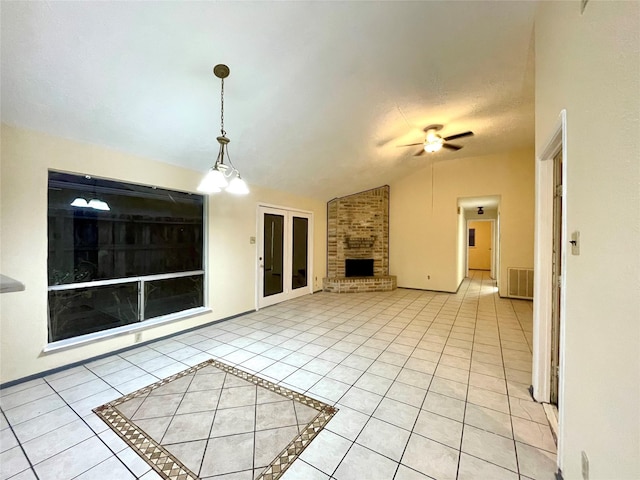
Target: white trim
(117, 281)
(282, 207)
(125, 329)
(543, 252)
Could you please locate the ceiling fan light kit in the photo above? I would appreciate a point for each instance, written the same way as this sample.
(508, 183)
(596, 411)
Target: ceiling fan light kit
(223, 175)
(434, 142)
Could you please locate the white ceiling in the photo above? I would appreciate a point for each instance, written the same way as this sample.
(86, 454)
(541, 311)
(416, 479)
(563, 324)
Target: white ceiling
(320, 93)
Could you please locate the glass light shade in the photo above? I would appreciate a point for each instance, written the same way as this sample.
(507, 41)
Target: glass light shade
(207, 185)
(98, 204)
(238, 186)
(80, 203)
(431, 147)
(217, 176)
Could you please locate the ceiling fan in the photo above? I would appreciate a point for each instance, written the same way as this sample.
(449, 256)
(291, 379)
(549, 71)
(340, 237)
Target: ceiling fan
(434, 142)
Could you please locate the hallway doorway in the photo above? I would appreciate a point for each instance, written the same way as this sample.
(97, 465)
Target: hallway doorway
(479, 236)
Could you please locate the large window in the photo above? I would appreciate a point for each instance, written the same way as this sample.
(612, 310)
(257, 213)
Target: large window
(120, 253)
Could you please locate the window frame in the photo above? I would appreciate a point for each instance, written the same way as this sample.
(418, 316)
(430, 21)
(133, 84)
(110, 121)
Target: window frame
(141, 324)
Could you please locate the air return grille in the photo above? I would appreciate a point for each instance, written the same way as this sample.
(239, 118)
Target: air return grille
(520, 283)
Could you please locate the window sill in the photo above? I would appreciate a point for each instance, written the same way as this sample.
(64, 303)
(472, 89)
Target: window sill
(125, 329)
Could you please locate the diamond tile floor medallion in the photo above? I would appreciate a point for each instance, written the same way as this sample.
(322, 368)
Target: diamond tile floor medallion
(214, 419)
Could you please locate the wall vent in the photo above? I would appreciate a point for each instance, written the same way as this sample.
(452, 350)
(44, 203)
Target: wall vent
(520, 283)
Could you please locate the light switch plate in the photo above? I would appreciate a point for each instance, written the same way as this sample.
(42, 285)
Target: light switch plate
(252, 240)
(575, 243)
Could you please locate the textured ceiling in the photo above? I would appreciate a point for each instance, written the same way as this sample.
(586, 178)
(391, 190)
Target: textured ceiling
(320, 93)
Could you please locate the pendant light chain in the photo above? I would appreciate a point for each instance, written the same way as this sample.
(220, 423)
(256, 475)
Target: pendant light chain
(224, 134)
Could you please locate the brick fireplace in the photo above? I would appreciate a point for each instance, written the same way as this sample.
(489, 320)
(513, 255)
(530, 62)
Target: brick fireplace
(358, 231)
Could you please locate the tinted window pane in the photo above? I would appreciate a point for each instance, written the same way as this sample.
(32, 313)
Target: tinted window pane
(173, 295)
(86, 310)
(145, 230)
(273, 254)
(299, 270)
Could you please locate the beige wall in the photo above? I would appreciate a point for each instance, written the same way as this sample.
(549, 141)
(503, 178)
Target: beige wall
(26, 158)
(589, 64)
(424, 229)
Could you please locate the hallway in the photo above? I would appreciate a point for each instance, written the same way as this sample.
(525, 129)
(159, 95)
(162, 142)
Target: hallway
(427, 384)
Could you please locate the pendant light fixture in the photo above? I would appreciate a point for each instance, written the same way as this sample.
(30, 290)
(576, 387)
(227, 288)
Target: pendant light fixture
(223, 175)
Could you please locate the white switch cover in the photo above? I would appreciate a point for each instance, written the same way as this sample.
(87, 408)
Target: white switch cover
(575, 243)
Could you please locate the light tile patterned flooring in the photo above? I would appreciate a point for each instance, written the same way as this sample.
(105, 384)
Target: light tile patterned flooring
(214, 419)
(429, 385)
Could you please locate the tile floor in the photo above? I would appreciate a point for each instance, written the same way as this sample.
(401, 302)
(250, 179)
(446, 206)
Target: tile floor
(428, 385)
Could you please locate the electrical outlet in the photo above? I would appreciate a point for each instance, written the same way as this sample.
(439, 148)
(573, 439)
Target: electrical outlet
(138, 337)
(252, 240)
(585, 466)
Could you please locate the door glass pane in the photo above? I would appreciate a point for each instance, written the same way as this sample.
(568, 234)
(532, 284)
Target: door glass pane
(171, 295)
(86, 310)
(273, 254)
(299, 252)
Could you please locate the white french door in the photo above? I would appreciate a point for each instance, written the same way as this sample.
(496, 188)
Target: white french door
(284, 255)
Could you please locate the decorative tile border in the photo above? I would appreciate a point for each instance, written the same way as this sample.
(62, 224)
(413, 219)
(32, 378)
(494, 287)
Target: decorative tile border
(169, 467)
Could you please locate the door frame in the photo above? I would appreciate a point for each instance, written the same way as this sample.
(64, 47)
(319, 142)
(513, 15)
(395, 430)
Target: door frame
(493, 245)
(543, 258)
(288, 293)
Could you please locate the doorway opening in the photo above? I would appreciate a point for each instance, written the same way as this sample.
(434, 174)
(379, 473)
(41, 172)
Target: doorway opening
(285, 249)
(479, 236)
(550, 250)
(556, 280)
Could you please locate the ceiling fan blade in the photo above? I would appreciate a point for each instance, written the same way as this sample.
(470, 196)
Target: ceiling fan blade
(457, 135)
(421, 152)
(451, 147)
(411, 144)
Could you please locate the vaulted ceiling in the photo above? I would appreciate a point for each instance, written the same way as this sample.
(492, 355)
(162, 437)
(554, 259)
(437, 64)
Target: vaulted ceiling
(320, 93)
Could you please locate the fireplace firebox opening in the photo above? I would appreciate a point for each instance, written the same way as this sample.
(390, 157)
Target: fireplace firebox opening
(358, 267)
